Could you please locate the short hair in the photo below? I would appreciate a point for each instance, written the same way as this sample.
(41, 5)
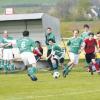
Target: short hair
(49, 28)
(37, 42)
(76, 30)
(5, 31)
(51, 40)
(98, 32)
(26, 33)
(86, 26)
(91, 33)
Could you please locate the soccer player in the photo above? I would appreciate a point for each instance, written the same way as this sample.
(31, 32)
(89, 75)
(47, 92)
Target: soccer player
(25, 46)
(1, 52)
(38, 51)
(7, 52)
(89, 46)
(98, 52)
(49, 35)
(98, 39)
(74, 44)
(57, 55)
(85, 34)
(97, 60)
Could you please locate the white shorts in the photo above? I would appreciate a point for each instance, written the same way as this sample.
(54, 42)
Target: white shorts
(74, 57)
(1, 53)
(28, 58)
(7, 54)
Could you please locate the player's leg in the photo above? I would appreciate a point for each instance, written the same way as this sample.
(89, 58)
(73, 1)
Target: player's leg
(88, 58)
(1, 58)
(5, 58)
(61, 60)
(96, 66)
(49, 60)
(54, 63)
(33, 69)
(73, 61)
(68, 66)
(10, 61)
(28, 58)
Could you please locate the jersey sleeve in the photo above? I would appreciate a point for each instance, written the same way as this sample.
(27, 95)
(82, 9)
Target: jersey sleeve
(68, 42)
(17, 43)
(33, 44)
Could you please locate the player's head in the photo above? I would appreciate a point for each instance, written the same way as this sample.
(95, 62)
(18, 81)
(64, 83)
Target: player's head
(25, 33)
(98, 34)
(49, 30)
(51, 41)
(91, 35)
(5, 34)
(75, 32)
(86, 27)
(38, 44)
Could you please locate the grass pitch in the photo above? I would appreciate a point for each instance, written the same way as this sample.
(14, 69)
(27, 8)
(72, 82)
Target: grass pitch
(78, 85)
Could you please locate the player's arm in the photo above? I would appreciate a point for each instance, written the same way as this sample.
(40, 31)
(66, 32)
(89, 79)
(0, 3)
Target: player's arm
(38, 51)
(97, 47)
(83, 47)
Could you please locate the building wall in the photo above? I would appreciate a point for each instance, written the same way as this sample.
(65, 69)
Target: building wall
(54, 23)
(15, 28)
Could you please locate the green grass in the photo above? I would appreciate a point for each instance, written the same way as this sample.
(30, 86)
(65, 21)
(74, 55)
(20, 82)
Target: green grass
(78, 85)
(13, 2)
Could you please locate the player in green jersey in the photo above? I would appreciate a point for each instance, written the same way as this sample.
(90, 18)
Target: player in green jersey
(49, 35)
(1, 53)
(74, 44)
(7, 52)
(57, 55)
(25, 46)
(86, 32)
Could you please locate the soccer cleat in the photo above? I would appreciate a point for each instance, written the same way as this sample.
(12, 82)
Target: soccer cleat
(91, 71)
(33, 78)
(65, 71)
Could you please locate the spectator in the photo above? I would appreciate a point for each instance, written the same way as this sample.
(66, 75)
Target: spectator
(38, 51)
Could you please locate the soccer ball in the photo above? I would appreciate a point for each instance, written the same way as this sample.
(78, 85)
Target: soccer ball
(56, 75)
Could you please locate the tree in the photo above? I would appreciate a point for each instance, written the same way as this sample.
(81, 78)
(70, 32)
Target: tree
(64, 8)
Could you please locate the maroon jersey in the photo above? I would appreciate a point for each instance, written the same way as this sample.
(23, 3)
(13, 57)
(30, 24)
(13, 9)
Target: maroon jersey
(90, 45)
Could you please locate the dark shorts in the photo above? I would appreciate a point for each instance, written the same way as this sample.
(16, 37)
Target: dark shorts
(49, 52)
(89, 57)
(61, 60)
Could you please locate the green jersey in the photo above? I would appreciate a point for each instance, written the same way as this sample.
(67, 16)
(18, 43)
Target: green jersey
(1, 39)
(8, 40)
(85, 35)
(57, 50)
(25, 44)
(74, 44)
(49, 36)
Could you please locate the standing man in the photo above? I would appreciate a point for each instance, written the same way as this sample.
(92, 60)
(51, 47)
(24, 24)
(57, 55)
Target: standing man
(7, 52)
(25, 46)
(89, 46)
(1, 52)
(74, 44)
(49, 35)
(86, 32)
